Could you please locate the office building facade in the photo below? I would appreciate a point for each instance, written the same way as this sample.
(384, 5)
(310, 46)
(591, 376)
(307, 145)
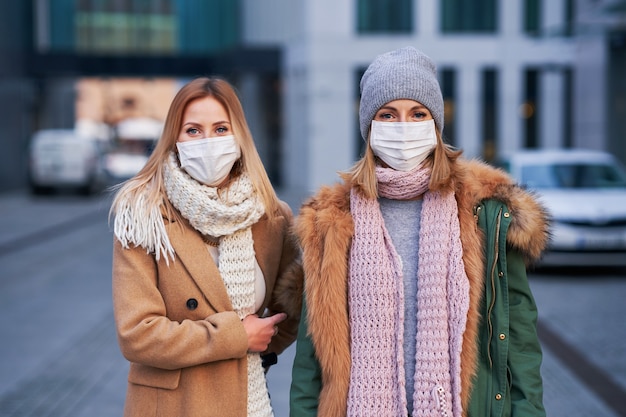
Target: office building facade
(514, 73)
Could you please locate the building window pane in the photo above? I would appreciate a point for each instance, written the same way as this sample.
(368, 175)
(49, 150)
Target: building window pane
(61, 24)
(359, 143)
(570, 17)
(568, 103)
(384, 16)
(490, 113)
(616, 96)
(532, 17)
(469, 16)
(139, 26)
(108, 26)
(218, 30)
(448, 90)
(530, 108)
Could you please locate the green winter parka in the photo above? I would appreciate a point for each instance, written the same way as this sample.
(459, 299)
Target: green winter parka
(503, 230)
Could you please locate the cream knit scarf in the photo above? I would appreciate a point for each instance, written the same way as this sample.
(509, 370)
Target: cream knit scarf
(376, 304)
(228, 215)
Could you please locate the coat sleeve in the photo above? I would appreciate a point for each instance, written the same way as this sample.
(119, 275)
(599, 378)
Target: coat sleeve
(287, 292)
(306, 378)
(524, 349)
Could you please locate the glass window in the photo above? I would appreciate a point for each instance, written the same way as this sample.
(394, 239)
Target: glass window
(359, 143)
(384, 16)
(469, 16)
(490, 113)
(61, 26)
(529, 109)
(574, 175)
(448, 90)
(532, 17)
(139, 26)
(107, 26)
(219, 28)
(568, 107)
(570, 18)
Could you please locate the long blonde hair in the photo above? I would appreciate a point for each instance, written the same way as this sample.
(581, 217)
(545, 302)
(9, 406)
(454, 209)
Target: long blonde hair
(148, 183)
(362, 174)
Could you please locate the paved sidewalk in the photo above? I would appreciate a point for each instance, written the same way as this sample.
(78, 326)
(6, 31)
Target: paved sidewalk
(66, 362)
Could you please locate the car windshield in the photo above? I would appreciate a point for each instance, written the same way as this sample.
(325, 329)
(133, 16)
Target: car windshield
(573, 175)
(134, 146)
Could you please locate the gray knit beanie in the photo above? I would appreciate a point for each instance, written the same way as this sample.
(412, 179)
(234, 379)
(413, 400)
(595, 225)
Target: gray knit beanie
(405, 73)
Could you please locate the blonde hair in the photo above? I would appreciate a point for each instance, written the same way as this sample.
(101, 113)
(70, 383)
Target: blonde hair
(148, 183)
(362, 175)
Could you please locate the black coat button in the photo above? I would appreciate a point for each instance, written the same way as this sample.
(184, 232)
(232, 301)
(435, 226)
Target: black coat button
(192, 304)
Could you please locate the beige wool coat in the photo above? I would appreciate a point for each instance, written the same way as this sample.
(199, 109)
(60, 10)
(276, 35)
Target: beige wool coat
(176, 325)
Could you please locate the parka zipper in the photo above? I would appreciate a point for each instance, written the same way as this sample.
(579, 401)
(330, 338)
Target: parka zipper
(492, 275)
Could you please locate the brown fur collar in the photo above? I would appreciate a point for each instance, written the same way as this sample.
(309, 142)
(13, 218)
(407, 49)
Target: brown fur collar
(528, 233)
(325, 229)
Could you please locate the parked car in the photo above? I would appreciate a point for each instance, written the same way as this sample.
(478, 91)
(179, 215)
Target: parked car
(63, 159)
(585, 193)
(132, 145)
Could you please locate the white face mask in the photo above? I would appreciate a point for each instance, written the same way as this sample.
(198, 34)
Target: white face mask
(209, 160)
(403, 145)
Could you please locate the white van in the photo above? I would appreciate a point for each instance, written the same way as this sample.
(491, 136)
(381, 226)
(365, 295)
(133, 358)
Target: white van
(60, 158)
(133, 142)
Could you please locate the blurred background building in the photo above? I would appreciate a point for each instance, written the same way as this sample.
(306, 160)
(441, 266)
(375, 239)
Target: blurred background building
(515, 73)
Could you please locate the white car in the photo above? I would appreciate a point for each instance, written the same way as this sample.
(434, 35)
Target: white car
(585, 193)
(61, 158)
(132, 145)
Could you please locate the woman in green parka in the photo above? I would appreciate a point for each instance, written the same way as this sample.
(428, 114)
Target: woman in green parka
(416, 299)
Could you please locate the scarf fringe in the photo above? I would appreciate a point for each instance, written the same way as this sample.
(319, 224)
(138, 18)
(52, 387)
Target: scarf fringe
(139, 224)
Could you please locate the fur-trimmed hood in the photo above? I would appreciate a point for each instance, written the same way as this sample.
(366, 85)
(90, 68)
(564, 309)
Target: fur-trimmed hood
(476, 181)
(325, 229)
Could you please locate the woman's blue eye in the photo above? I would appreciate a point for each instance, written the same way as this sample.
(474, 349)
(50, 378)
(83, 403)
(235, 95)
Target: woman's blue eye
(192, 131)
(221, 129)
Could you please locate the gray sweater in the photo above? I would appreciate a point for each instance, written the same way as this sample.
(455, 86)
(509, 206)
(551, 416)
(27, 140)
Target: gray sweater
(402, 221)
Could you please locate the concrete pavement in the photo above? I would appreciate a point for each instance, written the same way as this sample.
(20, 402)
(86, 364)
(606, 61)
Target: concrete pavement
(66, 361)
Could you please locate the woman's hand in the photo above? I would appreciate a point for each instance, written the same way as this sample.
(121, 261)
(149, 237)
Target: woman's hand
(261, 330)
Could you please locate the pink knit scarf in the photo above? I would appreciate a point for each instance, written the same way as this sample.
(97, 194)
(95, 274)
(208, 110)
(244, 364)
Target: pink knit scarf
(376, 304)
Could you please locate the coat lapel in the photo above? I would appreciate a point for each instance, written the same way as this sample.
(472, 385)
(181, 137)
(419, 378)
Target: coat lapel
(192, 252)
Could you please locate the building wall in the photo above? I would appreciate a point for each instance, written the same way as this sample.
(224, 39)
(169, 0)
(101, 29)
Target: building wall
(17, 95)
(600, 65)
(322, 58)
(321, 77)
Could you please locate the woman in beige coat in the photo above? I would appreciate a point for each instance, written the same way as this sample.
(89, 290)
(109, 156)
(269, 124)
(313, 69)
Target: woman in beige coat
(201, 256)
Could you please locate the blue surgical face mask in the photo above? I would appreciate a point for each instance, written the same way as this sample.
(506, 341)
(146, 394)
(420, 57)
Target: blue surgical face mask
(403, 145)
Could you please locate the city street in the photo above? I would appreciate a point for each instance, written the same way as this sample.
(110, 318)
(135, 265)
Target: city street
(59, 355)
